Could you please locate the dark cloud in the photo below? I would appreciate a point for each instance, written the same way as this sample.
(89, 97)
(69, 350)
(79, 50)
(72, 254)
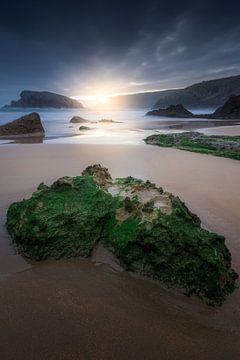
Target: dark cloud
(74, 46)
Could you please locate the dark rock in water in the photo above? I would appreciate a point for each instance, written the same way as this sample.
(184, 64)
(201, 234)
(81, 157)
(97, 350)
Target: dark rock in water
(28, 125)
(108, 121)
(150, 231)
(44, 99)
(83, 128)
(230, 110)
(178, 111)
(78, 120)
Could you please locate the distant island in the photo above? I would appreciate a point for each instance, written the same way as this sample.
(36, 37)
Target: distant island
(211, 93)
(43, 99)
(230, 110)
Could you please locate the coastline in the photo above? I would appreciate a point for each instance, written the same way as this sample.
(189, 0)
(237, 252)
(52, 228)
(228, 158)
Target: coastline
(109, 313)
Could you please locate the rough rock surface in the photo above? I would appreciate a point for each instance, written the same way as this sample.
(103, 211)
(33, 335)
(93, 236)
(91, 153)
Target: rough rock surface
(27, 125)
(78, 120)
(230, 110)
(150, 231)
(44, 99)
(178, 111)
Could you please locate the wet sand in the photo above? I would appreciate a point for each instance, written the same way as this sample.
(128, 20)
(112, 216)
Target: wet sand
(222, 130)
(80, 309)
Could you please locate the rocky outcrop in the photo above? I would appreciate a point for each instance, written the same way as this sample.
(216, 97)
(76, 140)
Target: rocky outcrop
(230, 110)
(78, 120)
(149, 230)
(44, 99)
(28, 125)
(178, 111)
(225, 146)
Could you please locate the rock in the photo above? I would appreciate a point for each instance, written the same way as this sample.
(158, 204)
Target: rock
(225, 146)
(44, 99)
(100, 175)
(108, 121)
(27, 125)
(230, 110)
(178, 111)
(83, 128)
(78, 120)
(150, 231)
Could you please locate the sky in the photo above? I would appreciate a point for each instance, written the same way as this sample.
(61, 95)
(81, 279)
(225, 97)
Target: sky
(99, 48)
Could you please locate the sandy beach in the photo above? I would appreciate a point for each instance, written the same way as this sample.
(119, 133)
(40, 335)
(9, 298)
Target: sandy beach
(82, 309)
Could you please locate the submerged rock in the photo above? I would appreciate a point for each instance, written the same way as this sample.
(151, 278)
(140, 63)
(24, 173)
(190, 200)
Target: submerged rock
(108, 121)
(78, 120)
(150, 231)
(83, 128)
(27, 125)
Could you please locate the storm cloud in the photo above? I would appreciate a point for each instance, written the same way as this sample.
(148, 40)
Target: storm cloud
(73, 47)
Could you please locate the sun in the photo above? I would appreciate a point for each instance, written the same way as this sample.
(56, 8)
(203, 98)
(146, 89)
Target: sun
(101, 98)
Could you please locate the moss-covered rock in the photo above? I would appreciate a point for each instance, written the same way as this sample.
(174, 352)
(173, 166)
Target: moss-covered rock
(65, 219)
(151, 231)
(224, 146)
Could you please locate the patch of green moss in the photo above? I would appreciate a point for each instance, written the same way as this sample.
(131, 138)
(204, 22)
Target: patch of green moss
(83, 128)
(69, 218)
(223, 146)
(174, 249)
(65, 219)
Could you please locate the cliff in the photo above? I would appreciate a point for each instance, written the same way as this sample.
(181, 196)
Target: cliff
(210, 93)
(230, 110)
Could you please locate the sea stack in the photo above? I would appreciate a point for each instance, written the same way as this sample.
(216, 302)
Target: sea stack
(44, 99)
(27, 125)
(172, 111)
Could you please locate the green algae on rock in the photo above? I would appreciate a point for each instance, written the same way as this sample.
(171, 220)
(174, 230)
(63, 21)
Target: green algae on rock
(150, 231)
(224, 146)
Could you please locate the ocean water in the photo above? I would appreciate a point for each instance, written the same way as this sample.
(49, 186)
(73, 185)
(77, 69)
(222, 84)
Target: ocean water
(131, 126)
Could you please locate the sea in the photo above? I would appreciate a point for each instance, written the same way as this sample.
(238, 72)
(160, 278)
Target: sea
(130, 126)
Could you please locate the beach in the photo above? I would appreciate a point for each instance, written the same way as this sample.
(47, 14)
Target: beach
(86, 309)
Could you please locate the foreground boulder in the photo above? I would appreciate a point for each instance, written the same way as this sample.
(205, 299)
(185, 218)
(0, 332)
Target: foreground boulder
(178, 111)
(44, 99)
(27, 125)
(230, 110)
(150, 231)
